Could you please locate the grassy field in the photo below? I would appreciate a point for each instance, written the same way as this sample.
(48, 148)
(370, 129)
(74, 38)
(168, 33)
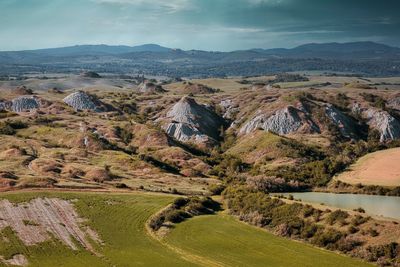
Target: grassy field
(120, 221)
(231, 243)
(378, 168)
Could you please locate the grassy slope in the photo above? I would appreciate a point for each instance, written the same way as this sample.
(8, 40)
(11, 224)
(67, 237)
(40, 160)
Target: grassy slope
(255, 145)
(120, 224)
(232, 243)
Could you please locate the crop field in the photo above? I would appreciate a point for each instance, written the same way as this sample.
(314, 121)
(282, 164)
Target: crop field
(378, 168)
(118, 219)
(228, 242)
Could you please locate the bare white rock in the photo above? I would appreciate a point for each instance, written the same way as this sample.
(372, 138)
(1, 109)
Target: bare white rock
(386, 124)
(189, 121)
(345, 124)
(83, 101)
(283, 121)
(25, 103)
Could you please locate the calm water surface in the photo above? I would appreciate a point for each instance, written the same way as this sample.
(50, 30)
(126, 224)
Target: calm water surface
(373, 205)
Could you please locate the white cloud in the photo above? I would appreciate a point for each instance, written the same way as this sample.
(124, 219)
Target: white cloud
(169, 6)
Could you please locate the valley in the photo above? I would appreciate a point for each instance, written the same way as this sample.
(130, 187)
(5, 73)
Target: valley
(128, 147)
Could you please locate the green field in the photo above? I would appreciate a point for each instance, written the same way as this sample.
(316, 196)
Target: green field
(120, 224)
(214, 240)
(231, 243)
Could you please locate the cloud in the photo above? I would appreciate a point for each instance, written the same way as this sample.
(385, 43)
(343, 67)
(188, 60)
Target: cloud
(169, 6)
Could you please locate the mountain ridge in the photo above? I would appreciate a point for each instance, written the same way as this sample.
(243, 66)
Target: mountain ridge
(151, 47)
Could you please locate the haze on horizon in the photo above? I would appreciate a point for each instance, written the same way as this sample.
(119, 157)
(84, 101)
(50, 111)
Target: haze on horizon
(222, 25)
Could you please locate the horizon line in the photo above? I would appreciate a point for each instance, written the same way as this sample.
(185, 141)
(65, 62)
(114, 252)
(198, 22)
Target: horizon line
(138, 45)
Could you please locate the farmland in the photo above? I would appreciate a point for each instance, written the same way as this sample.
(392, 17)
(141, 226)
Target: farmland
(378, 168)
(232, 243)
(119, 220)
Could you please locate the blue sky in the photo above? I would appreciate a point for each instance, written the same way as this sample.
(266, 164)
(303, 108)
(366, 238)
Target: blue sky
(222, 25)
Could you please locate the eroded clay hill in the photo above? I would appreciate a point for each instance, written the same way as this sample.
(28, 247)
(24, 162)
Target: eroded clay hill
(188, 121)
(82, 101)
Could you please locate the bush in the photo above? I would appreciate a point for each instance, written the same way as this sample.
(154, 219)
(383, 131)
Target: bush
(308, 210)
(6, 129)
(360, 210)
(358, 220)
(157, 222)
(176, 216)
(180, 202)
(373, 232)
(216, 189)
(124, 134)
(337, 216)
(389, 251)
(352, 229)
(121, 185)
(347, 244)
(308, 230)
(327, 238)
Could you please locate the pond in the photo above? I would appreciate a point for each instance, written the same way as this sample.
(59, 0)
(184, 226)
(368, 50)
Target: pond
(373, 205)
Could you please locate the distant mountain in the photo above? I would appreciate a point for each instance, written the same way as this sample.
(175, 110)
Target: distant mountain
(353, 50)
(90, 50)
(358, 57)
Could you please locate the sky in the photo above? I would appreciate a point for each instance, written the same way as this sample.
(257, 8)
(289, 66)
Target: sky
(215, 25)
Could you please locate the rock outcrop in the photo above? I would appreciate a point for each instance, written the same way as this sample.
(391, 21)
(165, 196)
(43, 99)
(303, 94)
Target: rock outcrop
(394, 103)
(5, 105)
(386, 124)
(283, 121)
(189, 121)
(230, 109)
(83, 101)
(345, 124)
(25, 103)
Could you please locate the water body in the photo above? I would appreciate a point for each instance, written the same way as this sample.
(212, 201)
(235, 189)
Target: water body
(373, 205)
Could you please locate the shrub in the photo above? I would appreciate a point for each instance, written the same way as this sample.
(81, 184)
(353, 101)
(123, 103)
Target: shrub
(156, 222)
(373, 232)
(308, 230)
(121, 185)
(347, 244)
(337, 216)
(6, 129)
(352, 229)
(216, 189)
(358, 220)
(327, 238)
(180, 202)
(176, 216)
(308, 210)
(360, 210)
(389, 251)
